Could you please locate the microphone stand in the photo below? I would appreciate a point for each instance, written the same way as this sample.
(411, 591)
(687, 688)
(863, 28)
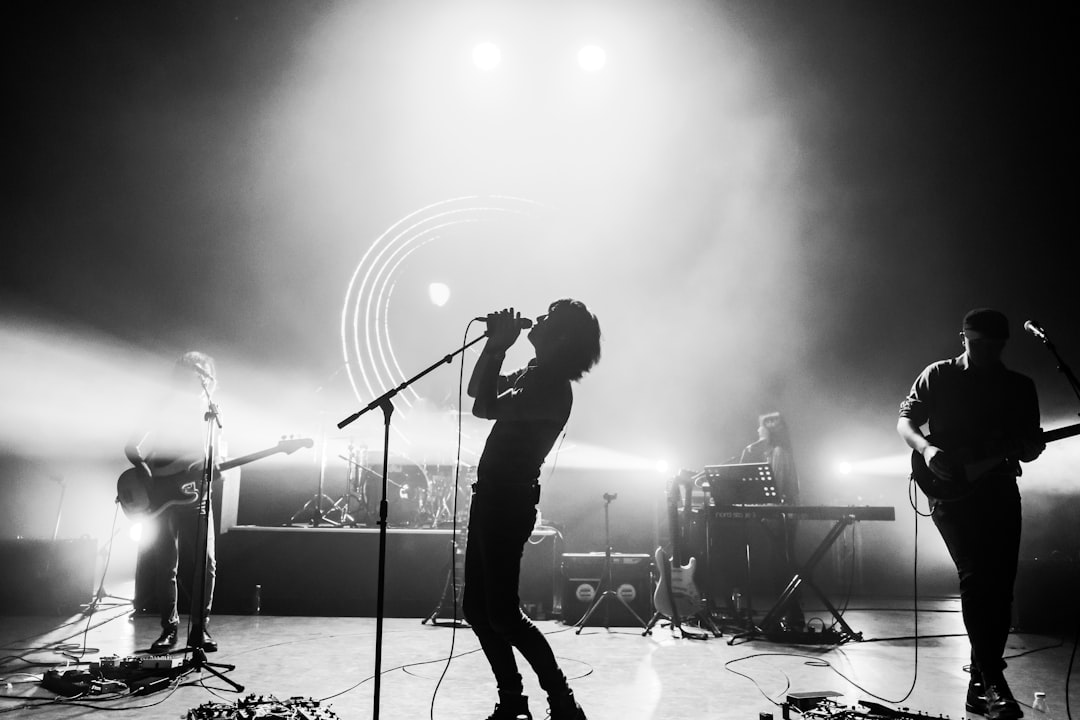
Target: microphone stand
(198, 595)
(1062, 367)
(383, 402)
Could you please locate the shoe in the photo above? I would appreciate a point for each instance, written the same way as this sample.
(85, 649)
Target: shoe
(517, 709)
(208, 644)
(565, 708)
(976, 698)
(166, 642)
(1000, 703)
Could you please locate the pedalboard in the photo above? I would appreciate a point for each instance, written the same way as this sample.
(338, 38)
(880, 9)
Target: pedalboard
(113, 674)
(264, 706)
(806, 705)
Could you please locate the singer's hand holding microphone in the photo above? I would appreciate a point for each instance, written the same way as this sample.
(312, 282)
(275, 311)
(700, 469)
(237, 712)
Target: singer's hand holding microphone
(504, 327)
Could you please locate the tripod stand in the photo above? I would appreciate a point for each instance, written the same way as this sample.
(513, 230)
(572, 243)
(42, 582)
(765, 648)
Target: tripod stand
(606, 578)
(315, 503)
(98, 601)
(452, 591)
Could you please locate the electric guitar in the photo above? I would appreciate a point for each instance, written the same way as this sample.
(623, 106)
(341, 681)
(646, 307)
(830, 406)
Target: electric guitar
(143, 495)
(676, 596)
(970, 466)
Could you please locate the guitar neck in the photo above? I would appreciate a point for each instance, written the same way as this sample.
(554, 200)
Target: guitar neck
(1061, 433)
(245, 459)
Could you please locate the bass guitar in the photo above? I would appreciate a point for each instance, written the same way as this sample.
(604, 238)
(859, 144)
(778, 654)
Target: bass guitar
(969, 466)
(143, 495)
(676, 596)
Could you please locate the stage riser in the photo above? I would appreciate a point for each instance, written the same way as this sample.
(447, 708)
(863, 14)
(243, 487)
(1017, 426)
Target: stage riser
(334, 572)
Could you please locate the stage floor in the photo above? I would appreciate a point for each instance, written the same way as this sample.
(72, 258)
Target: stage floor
(617, 674)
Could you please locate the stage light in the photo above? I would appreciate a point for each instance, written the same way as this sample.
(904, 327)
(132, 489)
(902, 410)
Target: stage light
(135, 532)
(662, 466)
(486, 56)
(843, 467)
(439, 293)
(591, 58)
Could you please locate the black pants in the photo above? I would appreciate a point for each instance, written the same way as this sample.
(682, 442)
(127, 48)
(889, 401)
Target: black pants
(982, 533)
(177, 532)
(500, 523)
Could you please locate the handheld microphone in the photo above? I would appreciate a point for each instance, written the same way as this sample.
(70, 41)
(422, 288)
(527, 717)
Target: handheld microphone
(523, 323)
(1033, 327)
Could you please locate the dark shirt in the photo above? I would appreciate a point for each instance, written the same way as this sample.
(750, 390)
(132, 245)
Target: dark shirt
(980, 410)
(516, 449)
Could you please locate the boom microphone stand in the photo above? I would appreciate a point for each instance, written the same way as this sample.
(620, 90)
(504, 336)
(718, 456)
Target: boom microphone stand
(383, 402)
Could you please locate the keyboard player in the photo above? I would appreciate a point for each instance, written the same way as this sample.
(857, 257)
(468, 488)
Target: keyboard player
(773, 446)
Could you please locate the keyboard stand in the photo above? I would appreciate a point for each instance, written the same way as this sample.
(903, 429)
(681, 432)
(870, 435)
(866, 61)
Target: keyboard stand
(770, 625)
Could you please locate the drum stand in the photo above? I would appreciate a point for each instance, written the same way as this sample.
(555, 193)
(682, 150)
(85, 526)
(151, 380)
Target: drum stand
(606, 579)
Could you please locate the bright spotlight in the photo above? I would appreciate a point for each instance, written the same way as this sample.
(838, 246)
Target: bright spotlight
(843, 467)
(661, 466)
(136, 532)
(591, 58)
(439, 293)
(486, 56)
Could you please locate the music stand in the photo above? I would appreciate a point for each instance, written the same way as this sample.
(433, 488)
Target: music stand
(741, 484)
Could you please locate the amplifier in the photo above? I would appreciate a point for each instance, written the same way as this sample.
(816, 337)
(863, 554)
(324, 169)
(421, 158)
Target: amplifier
(46, 577)
(631, 579)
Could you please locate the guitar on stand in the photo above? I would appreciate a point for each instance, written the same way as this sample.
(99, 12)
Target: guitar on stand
(676, 596)
(143, 495)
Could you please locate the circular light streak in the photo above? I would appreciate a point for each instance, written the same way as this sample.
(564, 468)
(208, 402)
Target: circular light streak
(371, 364)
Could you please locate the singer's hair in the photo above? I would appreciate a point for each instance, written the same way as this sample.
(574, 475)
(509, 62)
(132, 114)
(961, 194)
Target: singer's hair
(195, 359)
(581, 350)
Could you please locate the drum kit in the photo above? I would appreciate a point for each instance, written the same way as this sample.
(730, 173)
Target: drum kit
(418, 495)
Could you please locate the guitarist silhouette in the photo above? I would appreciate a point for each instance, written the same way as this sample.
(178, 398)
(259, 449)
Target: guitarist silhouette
(168, 440)
(974, 406)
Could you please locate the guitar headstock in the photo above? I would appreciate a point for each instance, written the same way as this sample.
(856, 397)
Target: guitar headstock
(290, 444)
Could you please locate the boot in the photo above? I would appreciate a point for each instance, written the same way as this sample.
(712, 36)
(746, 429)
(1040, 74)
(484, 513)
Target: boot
(565, 707)
(512, 709)
(166, 642)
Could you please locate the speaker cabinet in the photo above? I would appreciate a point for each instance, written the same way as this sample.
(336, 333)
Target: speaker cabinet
(46, 577)
(1045, 596)
(584, 579)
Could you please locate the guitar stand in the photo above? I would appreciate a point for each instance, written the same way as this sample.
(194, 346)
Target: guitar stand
(770, 625)
(606, 580)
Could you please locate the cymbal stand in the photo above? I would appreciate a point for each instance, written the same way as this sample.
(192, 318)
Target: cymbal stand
(315, 502)
(606, 579)
(353, 489)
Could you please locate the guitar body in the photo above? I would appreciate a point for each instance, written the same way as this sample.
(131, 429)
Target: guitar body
(676, 596)
(143, 495)
(969, 467)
